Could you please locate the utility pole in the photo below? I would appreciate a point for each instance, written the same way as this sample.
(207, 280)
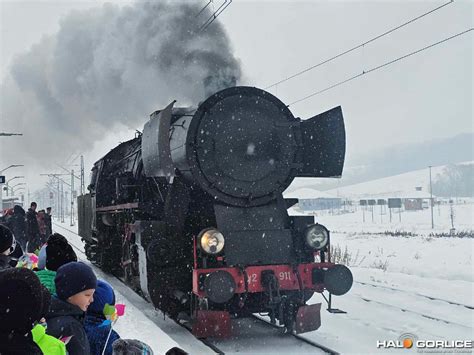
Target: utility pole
(66, 203)
(72, 198)
(72, 192)
(431, 200)
(83, 189)
(58, 208)
(452, 230)
(62, 201)
(59, 189)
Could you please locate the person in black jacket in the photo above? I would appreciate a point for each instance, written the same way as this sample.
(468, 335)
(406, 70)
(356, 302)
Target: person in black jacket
(32, 229)
(75, 286)
(48, 221)
(22, 300)
(7, 245)
(17, 225)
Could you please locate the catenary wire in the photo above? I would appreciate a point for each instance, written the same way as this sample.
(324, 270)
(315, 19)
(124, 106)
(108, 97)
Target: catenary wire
(359, 46)
(380, 66)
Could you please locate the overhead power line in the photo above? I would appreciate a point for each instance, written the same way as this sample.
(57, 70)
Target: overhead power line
(360, 45)
(381, 66)
(214, 15)
(205, 7)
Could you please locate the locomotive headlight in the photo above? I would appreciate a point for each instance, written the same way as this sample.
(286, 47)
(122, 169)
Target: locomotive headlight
(317, 236)
(211, 241)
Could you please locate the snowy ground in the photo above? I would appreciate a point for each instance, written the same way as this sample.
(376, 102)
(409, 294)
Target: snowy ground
(419, 284)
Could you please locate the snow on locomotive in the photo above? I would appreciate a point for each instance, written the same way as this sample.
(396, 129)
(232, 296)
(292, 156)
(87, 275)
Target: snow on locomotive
(191, 214)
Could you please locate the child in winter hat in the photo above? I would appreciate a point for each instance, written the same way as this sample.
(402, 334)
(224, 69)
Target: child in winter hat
(75, 286)
(53, 255)
(21, 304)
(72, 279)
(58, 252)
(97, 333)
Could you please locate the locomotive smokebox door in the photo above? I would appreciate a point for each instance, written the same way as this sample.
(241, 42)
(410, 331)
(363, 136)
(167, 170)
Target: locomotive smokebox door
(241, 146)
(324, 144)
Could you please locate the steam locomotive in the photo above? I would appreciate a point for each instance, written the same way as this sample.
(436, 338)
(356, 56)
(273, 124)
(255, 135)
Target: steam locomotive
(191, 213)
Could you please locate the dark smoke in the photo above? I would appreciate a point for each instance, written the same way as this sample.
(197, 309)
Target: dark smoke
(107, 66)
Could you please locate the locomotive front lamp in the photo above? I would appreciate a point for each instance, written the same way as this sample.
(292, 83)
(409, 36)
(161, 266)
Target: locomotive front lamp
(211, 241)
(317, 236)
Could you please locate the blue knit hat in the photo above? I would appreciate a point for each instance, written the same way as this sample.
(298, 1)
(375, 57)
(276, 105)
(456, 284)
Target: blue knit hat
(104, 293)
(72, 278)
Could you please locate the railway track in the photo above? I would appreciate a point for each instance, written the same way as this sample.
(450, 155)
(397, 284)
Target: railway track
(299, 337)
(432, 298)
(365, 299)
(410, 302)
(219, 346)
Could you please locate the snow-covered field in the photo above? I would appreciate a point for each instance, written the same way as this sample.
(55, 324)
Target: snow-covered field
(417, 284)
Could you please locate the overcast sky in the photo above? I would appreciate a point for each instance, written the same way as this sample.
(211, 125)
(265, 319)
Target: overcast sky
(423, 97)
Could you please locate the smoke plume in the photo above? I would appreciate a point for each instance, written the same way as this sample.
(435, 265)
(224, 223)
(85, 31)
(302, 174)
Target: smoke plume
(107, 66)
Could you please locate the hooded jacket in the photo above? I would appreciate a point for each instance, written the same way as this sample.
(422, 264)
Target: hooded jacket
(47, 343)
(97, 334)
(65, 319)
(96, 331)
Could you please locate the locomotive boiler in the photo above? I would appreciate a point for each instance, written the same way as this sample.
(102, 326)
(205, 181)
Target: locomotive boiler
(191, 213)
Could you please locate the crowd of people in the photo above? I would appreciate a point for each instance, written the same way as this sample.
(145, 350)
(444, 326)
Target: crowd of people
(56, 304)
(30, 228)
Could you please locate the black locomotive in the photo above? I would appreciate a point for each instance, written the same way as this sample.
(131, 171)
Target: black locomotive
(190, 212)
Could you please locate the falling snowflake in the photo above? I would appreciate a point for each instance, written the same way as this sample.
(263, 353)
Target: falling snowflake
(250, 149)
